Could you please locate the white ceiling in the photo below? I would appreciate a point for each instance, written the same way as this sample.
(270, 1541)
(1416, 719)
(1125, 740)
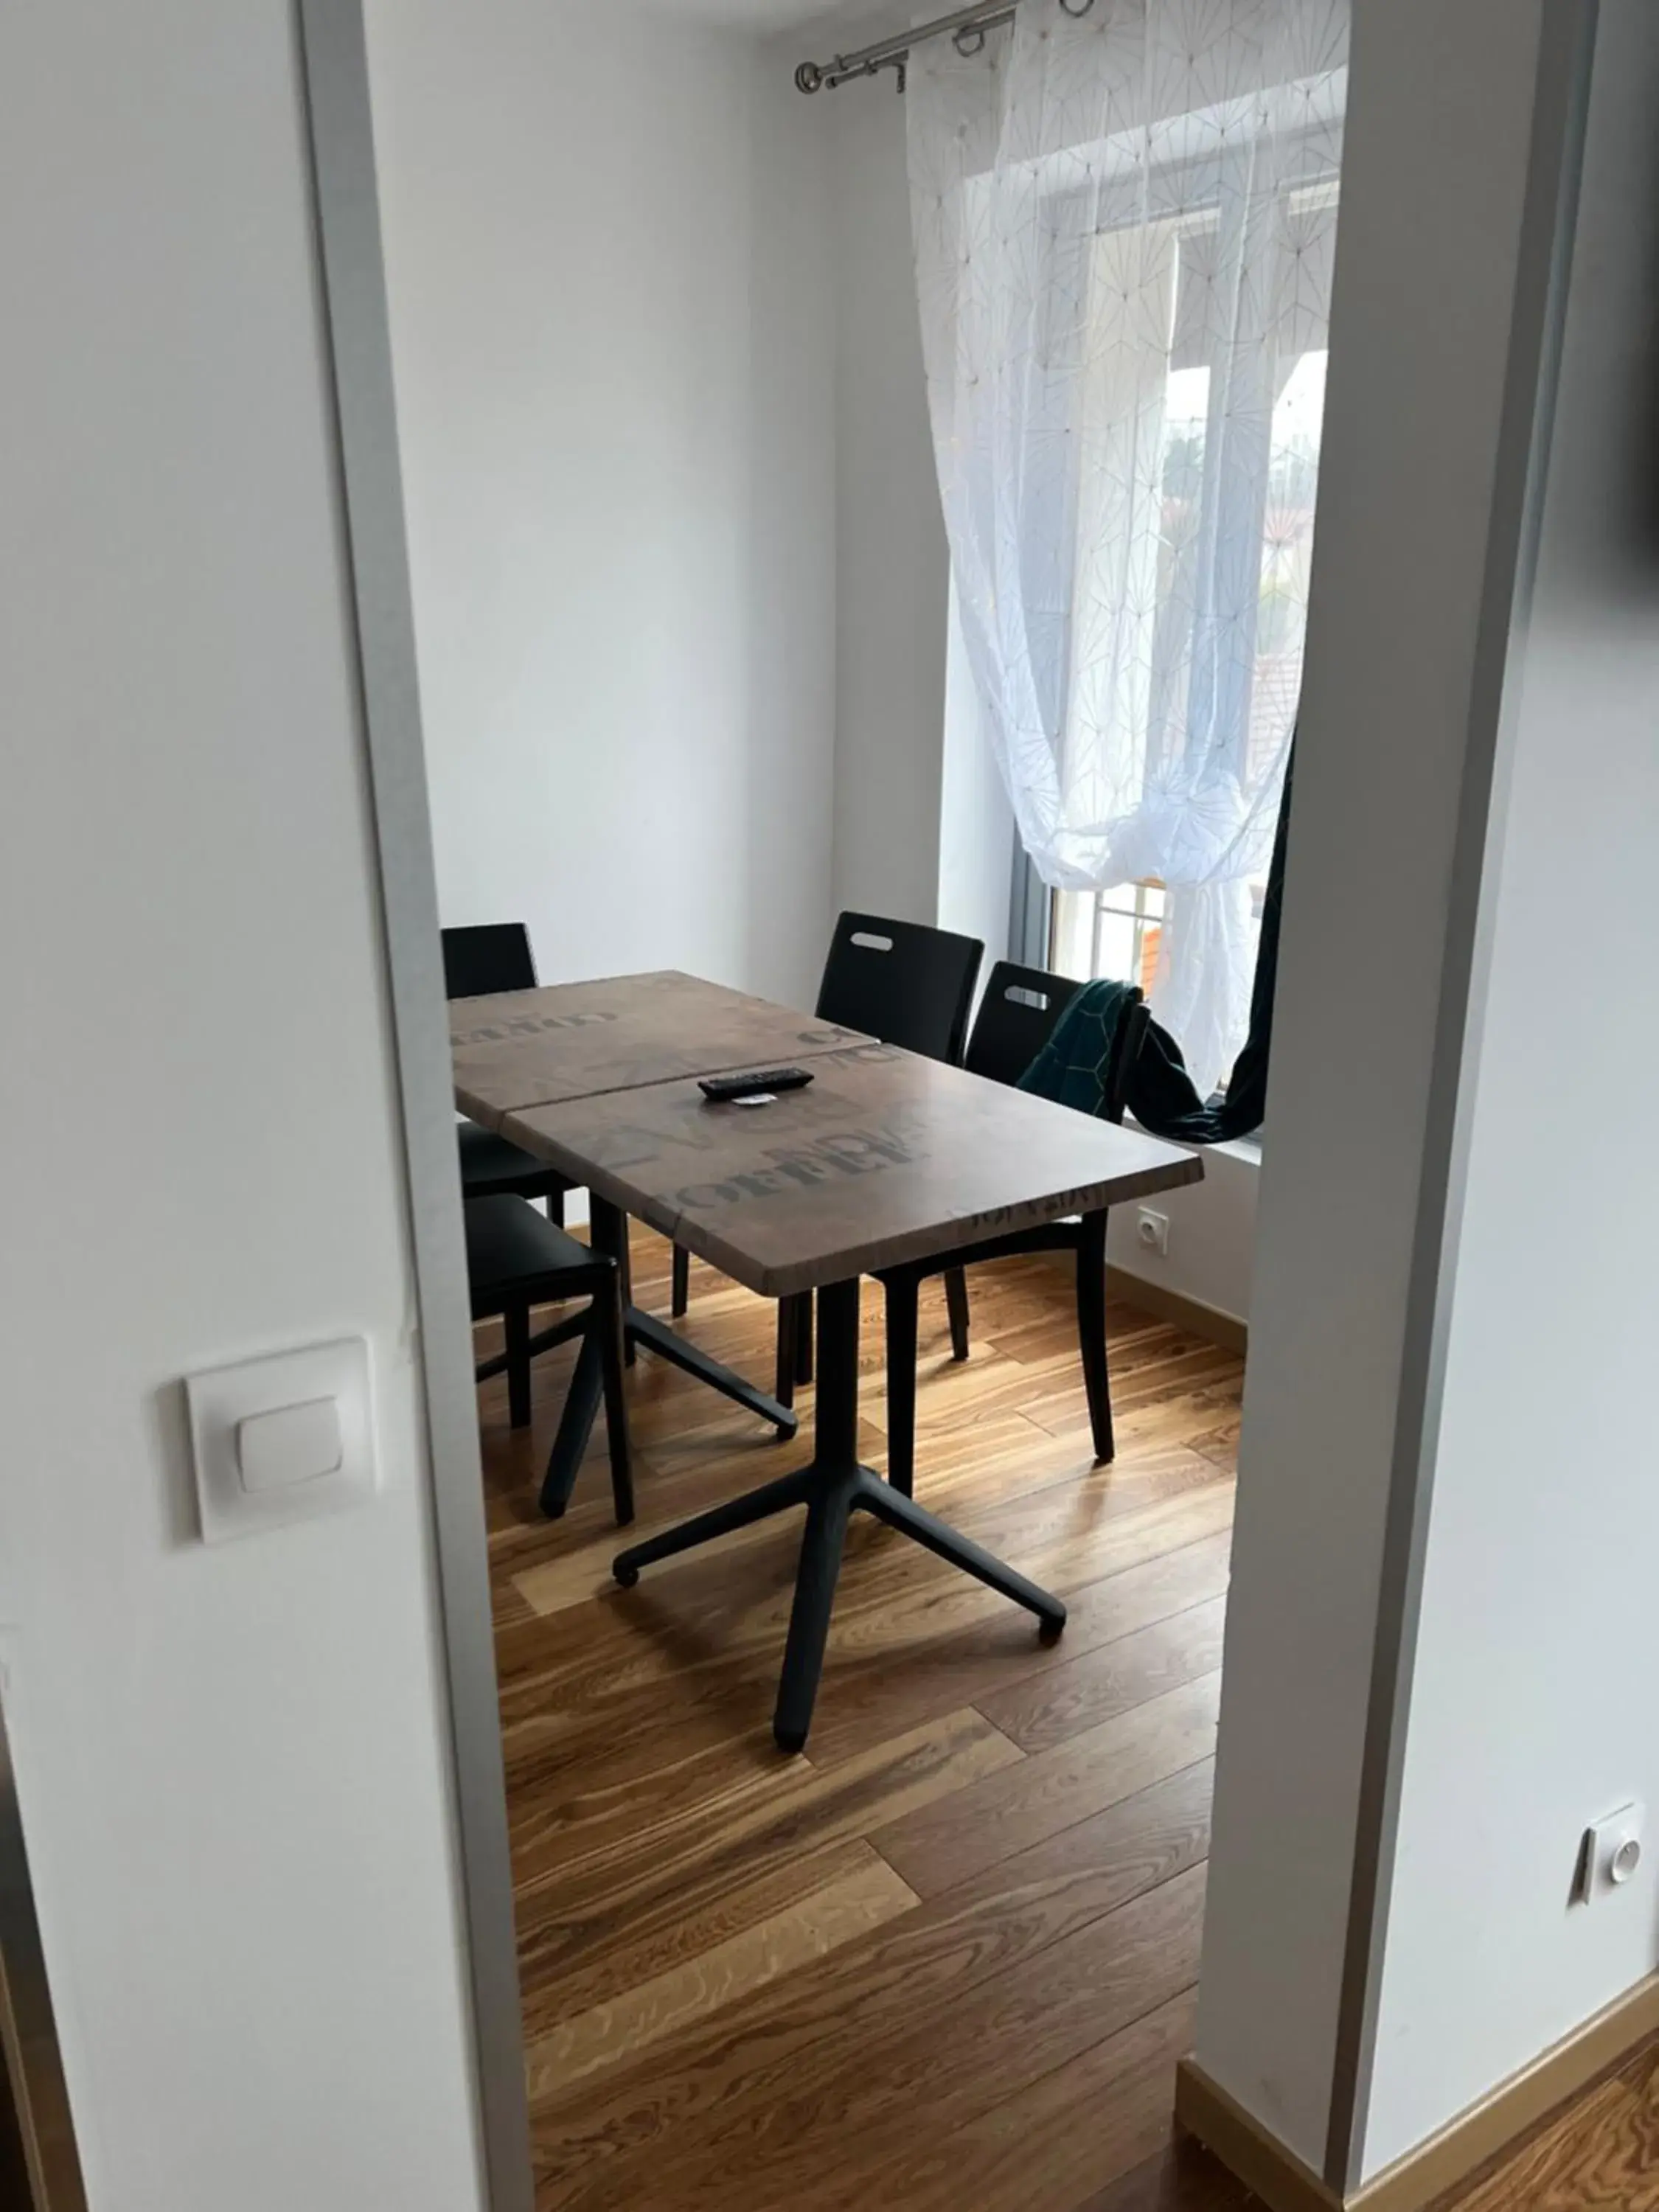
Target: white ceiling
(764, 15)
(747, 15)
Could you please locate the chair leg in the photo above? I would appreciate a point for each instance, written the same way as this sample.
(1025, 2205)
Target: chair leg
(902, 1295)
(1091, 1332)
(803, 1335)
(682, 1295)
(581, 1405)
(608, 1321)
(955, 1304)
(609, 1231)
(556, 1208)
(783, 1378)
(515, 1321)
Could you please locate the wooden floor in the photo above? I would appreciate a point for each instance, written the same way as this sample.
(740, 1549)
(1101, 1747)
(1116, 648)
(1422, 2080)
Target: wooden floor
(970, 1915)
(946, 1961)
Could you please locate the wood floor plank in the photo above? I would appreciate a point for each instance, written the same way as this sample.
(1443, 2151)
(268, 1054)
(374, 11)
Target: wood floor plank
(753, 2056)
(1220, 1441)
(961, 1648)
(694, 1947)
(971, 1465)
(573, 1909)
(1194, 1378)
(1069, 2134)
(556, 1988)
(1601, 2155)
(697, 2046)
(863, 1897)
(823, 2145)
(1064, 1701)
(1044, 1320)
(939, 1845)
(712, 1634)
(1180, 2177)
(581, 1569)
(990, 1383)
(563, 1813)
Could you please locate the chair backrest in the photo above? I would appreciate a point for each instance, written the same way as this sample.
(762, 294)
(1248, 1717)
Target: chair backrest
(900, 981)
(490, 955)
(1016, 1019)
(1017, 1016)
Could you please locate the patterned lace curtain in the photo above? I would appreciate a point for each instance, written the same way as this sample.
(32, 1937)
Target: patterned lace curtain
(1124, 224)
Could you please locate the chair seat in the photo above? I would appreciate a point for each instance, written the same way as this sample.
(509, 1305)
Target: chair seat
(493, 1163)
(510, 1245)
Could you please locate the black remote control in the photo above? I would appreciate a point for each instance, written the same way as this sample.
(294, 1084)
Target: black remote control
(726, 1087)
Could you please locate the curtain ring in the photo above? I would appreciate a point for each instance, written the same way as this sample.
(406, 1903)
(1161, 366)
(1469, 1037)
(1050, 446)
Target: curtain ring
(1081, 9)
(972, 32)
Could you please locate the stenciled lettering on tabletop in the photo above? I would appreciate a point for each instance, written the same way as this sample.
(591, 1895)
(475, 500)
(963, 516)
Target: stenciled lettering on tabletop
(796, 1167)
(525, 1025)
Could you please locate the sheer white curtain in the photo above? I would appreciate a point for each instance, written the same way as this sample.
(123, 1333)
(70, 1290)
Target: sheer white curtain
(1124, 221)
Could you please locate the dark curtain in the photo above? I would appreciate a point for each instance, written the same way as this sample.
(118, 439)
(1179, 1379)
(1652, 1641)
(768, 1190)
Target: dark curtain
(1161, 1094)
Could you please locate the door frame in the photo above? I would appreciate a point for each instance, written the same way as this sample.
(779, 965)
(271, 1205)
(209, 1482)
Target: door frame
(380, 619)
(31, 2057)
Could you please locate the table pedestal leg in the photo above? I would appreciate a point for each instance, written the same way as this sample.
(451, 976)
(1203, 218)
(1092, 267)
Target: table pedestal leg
(832, 1489)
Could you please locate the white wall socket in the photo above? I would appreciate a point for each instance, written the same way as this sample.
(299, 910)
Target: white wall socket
(1609, 1855)
(1152, 1231)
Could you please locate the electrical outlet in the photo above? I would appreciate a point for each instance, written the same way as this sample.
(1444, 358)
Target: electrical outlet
(1152, 1231)
(1609, 1853)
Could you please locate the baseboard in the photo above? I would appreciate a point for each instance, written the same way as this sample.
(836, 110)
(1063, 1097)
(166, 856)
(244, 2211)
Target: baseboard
(1499, 2121)
(1190, 1314)
(1245, 2147)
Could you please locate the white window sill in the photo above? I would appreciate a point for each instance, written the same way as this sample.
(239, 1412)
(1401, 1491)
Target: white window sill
(1247, 1150)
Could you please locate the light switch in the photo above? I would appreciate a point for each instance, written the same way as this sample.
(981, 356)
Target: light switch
(296, 1443)
(282, 1439)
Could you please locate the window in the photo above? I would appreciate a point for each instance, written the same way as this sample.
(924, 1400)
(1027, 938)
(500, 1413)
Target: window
(1237, 484)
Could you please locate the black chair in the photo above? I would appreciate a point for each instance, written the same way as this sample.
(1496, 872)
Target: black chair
(1016, 1020)
(907, 984)
(479, 960)
(902, 982)
(516, 1260)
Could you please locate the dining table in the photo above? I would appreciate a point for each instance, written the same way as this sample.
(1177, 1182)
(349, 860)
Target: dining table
(883, 1157)
(517, 1050)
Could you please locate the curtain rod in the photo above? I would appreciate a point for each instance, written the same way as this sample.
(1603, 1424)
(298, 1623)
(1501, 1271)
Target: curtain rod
(967, 23)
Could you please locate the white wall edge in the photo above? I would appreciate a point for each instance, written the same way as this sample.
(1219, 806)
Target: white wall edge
(341, 135)
(1566, 49)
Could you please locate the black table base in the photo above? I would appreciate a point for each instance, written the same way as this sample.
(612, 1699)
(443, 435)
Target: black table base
(643, 1331)
(832, 1488)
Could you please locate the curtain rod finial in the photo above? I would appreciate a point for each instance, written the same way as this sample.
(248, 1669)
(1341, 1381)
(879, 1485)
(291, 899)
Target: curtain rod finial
(809, 77)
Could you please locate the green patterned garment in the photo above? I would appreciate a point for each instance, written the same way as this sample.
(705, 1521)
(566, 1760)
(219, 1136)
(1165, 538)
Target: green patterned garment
(1073, 1067)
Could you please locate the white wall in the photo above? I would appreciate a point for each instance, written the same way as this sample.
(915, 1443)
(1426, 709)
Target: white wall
(1532, 1704)
(892, 565)
(232, 1762)
(610, 305)
(681, 632)
(1211, 1254)
(1434, 170)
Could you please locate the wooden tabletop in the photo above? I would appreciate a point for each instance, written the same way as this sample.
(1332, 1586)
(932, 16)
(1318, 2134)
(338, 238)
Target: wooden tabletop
(884, 1158)
(573, 1040)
